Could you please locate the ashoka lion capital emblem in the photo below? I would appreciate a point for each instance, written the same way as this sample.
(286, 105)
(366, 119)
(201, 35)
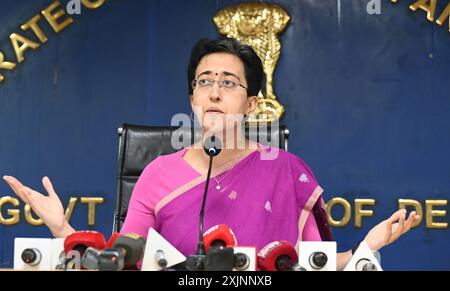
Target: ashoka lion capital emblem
(258, 25)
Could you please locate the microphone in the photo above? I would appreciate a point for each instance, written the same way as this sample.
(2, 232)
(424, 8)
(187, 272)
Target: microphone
(91, 256)
(111, 259)
(36, 253)
(125, 253)
(212, 147)
(219, 236)
(133, 248)
(365, 265)
(89, 261)
(31, 257)
(79, 242)
(244, 258)
(223, 253)
(364, 259)
(219, 259)
(318, 260)
(241, 262)
(160, 258)
(159, 254)
(219, 241)
(279, 256)
(317, 255)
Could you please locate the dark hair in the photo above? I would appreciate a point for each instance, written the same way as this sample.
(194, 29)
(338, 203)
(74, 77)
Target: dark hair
(252, 63)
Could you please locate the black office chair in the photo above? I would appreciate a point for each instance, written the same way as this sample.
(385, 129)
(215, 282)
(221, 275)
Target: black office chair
(139, 145)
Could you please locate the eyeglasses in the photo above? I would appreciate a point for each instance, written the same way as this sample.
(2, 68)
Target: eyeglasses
(207, 84)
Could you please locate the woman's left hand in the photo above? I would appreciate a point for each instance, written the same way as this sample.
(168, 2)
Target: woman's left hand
(390, 229)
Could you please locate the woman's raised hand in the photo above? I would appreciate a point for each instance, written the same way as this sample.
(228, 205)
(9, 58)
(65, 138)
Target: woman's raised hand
(389, 230)
(48, 208)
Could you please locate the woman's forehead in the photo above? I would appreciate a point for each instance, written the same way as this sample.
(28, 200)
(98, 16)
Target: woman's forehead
(218, 63)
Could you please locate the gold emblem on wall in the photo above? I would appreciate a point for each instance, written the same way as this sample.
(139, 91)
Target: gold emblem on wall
(258, 25)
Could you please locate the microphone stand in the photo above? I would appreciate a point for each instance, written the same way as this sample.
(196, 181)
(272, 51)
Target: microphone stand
(197, 261)
(201, 244)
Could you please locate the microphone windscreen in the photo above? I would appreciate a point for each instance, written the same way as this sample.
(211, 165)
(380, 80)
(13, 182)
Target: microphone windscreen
(219, 235)
(112, 239)
(268, 256)
(84, 239)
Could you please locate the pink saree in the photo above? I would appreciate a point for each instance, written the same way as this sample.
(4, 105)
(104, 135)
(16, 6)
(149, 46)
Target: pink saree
(260, 200)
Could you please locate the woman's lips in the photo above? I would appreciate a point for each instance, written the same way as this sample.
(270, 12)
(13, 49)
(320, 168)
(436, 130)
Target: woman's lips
(214, 112)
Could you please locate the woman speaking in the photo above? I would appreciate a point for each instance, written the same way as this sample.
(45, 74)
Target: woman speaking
(261, 199)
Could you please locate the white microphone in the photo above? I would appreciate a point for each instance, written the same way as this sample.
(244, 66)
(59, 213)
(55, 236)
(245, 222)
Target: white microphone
(365, 265)
(244, 258)
(364, 259)
(159, 253)
(43, 254)
(317, 256)
(33, 254)
(31, 257)
(160, 258)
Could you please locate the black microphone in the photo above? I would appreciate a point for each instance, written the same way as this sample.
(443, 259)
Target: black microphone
(241, 261)
(31, 257)
(111, 259)
(318, 260)
(133, 246)
(89, 261)
(212, 147)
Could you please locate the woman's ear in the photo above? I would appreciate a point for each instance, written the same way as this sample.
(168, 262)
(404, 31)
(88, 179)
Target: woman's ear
(252, 102)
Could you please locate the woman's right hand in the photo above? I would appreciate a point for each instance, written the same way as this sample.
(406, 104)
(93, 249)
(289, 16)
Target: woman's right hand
(48, 208)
